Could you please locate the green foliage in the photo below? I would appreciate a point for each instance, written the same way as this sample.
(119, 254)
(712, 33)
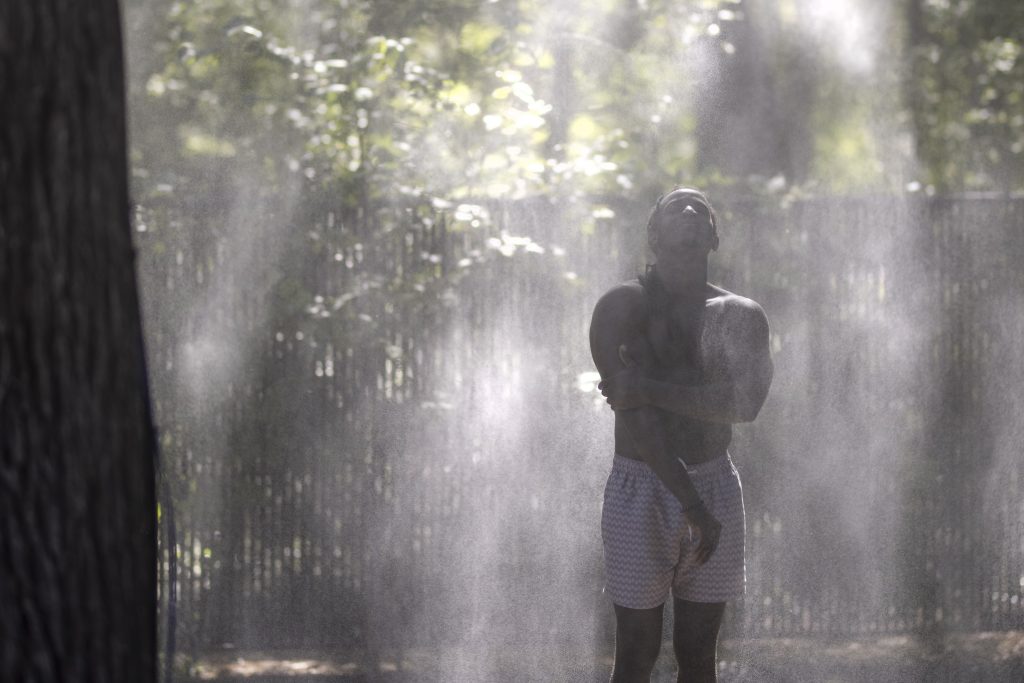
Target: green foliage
(966, 91)
(453, 100)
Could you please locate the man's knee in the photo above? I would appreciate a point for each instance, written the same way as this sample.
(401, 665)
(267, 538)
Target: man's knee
(638, 650)
(695, 637)
(696, 659)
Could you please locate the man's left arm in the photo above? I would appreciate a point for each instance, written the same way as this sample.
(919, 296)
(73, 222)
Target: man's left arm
(737, 399)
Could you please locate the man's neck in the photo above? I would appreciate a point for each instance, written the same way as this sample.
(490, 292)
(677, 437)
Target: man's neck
(686, 289)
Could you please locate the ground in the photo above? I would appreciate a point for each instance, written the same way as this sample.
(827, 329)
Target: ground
(969, 658)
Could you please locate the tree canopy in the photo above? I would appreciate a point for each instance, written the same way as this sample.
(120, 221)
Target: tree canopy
(461, 101)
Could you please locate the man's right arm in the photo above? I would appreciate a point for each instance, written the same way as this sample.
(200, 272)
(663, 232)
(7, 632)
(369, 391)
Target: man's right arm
(617, 317)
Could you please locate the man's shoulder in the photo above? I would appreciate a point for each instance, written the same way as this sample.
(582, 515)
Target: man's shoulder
(743, 306)
(629, 293)
(743, 315)
(624, 300)
(739, 311)
(736, 304)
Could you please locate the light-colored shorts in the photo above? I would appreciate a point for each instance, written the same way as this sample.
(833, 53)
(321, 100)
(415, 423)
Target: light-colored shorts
(649, 547)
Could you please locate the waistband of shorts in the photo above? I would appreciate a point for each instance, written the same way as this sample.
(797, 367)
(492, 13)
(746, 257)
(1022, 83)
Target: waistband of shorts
(720, 464)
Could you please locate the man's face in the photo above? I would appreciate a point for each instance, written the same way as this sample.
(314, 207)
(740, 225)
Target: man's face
(685, 235)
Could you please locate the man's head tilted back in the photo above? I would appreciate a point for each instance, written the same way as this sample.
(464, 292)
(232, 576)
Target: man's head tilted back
(683, 208)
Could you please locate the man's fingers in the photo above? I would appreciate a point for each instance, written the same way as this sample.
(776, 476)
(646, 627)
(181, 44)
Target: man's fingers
(704, 552)
(707, 546)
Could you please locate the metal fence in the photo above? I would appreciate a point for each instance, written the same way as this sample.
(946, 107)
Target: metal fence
(369, 416)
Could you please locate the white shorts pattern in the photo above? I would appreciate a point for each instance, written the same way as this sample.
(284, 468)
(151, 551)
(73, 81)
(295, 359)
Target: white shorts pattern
(649, 547)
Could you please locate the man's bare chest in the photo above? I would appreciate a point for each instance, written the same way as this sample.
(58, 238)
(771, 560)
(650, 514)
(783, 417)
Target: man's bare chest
(685, 347)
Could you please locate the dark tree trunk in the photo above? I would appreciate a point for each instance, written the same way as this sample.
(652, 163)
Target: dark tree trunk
(77, 447)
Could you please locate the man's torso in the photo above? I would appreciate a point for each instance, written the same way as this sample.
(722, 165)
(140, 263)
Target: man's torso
(687, 349)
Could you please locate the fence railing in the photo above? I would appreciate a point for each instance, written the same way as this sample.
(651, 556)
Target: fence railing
(378, 429)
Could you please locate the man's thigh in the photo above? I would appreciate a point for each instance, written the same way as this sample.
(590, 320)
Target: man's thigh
(638, 633)
(645, 621)
(696, 625)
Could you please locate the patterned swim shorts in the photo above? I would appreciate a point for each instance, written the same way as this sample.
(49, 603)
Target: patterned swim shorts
(649, 547)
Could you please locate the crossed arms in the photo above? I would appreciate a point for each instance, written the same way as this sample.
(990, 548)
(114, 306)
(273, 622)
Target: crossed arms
(736, 399)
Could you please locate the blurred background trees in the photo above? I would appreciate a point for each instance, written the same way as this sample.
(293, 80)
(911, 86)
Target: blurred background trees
(455, 100)
(964, 92)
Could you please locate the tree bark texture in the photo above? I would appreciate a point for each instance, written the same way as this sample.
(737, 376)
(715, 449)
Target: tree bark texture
(77, 446)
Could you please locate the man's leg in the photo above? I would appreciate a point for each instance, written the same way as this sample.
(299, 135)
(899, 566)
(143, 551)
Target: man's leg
(695, 640)
(637, 643)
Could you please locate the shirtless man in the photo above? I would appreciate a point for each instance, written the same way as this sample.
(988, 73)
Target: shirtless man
(681, 360)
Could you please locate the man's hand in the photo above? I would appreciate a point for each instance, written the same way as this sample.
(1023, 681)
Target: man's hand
(709, 528)
(625, 389)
